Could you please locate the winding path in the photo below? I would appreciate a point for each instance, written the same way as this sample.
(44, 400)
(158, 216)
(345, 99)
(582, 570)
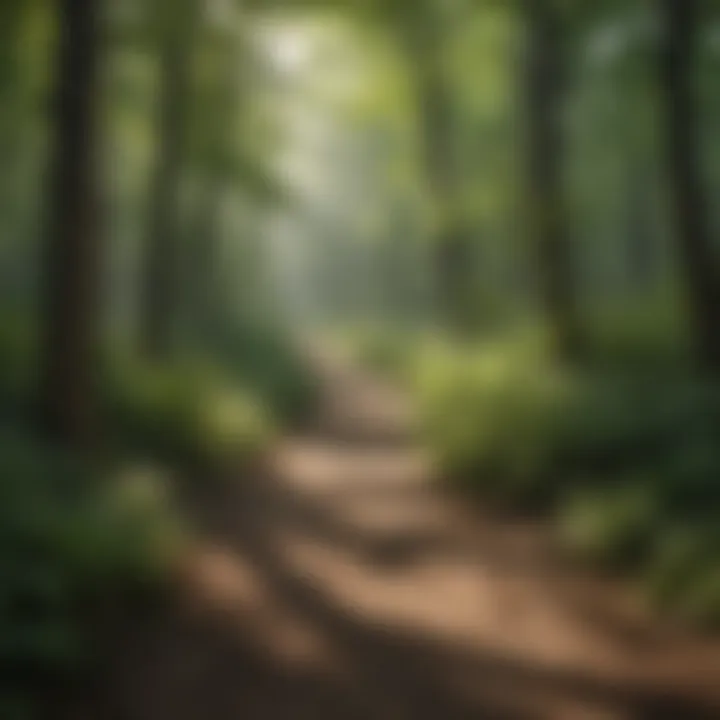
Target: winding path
(343, 585)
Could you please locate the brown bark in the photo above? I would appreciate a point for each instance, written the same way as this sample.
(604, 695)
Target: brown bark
(161, 264)
(548, 224)
(69, 334)
(692, 227)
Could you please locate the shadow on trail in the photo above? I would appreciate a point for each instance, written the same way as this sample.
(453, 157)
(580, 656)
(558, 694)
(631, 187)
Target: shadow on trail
(252, 634)
(402, 673)
(201, 663)
(391, 549)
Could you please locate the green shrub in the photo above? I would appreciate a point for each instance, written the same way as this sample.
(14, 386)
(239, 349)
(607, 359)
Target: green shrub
(17, 363)
(232, 425)
(69, 538)
(389, 353)
(690, 473)
(265, 359)
(186, 411)
(156, 404)
(507, 414)
(683, 576)
(496, 417)
(622, 459)
(614, 526)
(648, 334)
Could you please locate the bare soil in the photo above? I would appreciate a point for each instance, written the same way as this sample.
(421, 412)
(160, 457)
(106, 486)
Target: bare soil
(343, 584)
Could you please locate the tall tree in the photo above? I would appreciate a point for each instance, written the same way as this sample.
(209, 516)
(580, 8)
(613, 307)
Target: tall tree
(69, 339)
(679, 46)
(545, 85)
(641, 260)
(425, 30)
(224, 156)
(175, 28)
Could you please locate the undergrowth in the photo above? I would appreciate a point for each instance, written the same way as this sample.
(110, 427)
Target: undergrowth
(624, 455)
(73, 539)
(79, 536)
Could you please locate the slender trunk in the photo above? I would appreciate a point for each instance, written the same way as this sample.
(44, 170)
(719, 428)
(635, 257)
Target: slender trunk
(69, 340)
(692, 227)
(435, 104)
(641, 250)
(203, 276)
(545, 156)
(160, 270)
(13, 149)
(451, 249)
(11, 26)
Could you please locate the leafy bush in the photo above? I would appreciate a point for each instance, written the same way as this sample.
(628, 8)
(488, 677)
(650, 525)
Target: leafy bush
(615, 526)
(389, 353)
(648, 334)
(496, 418)
(684, 574)
(17, 365)
(264, 358)
(186, 411)
(169, 408)
(505, 413)
(68, 539)
(623, 460)
(233, 425)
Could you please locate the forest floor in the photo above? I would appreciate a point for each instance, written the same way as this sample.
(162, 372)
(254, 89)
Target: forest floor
(343, 584)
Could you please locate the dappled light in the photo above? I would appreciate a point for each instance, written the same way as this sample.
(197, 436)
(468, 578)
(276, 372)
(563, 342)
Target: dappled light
(359, 359)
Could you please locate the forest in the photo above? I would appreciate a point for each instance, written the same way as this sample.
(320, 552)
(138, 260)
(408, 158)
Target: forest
(334, 333)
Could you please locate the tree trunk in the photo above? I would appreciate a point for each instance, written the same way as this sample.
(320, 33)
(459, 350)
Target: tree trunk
(642, 251)
(451, 249)
(162, 254)
(692, 227)
(203, 276)
(11, 27)
(548, 225)
(435, 105)
(69, 334)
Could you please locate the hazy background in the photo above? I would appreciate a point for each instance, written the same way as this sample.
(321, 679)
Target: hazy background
(505, 209)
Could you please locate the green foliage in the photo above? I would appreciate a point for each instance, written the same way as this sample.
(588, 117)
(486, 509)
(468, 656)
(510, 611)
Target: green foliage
(629, 464)
(497, 408)
(683, 575)
(69, 540)
(389, 353)
(659, 519)
(647, 333)
(615, 526)
(262, 357)
(186, 410)
(191, 406)
(498, 416)
(17, 369)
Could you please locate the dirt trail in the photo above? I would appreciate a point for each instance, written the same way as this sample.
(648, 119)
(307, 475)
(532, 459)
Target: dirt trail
(342, 585)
